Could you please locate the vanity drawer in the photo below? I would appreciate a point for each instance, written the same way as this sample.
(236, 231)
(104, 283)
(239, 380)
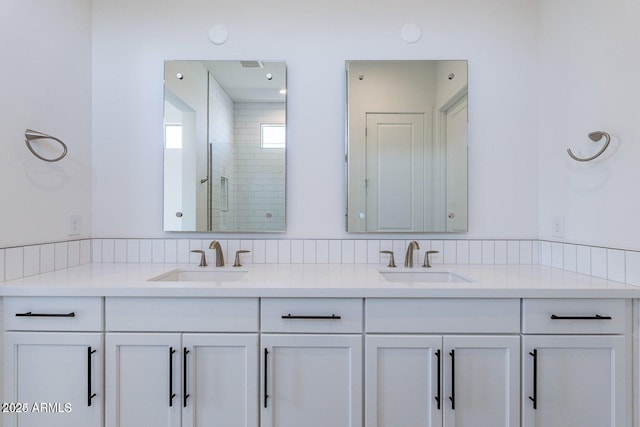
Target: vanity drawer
(442, 316)
(573, 316)
(53, 313)
(182, 314)
(311, 315)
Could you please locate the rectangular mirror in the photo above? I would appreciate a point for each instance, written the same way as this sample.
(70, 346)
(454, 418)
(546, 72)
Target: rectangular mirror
(224, 146)
(406, 149)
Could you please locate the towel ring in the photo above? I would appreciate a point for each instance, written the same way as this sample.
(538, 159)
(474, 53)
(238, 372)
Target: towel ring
(595, 137)
(32, 135)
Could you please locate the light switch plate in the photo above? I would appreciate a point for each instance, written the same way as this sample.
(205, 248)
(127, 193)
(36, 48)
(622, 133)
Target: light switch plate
(557, 226)
(75, 225)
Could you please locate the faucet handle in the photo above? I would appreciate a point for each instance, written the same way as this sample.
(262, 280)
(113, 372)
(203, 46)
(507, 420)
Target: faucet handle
(203, 258)
(426, 263)
(392, 261)
(237, 260)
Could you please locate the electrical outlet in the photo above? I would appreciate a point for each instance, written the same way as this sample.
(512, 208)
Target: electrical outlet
(557, 226)
(75, 225)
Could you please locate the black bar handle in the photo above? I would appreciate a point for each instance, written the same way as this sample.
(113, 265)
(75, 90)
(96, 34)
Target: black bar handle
(439, 378)
(90, 395)
(332, 317)
(185, 395)
(534, 398)
(266, 376)
(171, 393)
(452, 398)
(30, 314)
(595, 317)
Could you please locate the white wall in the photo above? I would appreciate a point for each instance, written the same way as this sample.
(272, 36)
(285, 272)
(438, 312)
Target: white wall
(44, 85)
(541, 77)
(132, 39)
(589, 66)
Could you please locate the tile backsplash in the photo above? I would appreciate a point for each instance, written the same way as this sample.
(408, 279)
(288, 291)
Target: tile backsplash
(608, 263)
(24, 261)
(316, 251)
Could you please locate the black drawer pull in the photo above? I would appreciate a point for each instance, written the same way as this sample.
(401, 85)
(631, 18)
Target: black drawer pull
(90, 395)
(30, 314)
(185, 395)
(596, 317)
(534, 398)
(452, 398)
(171, 393)
(332, 317)
(266, 376)
(437, 397)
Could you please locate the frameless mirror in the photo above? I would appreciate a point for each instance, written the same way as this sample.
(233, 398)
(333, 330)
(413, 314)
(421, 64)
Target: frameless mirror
(224, 146)
(406, 146)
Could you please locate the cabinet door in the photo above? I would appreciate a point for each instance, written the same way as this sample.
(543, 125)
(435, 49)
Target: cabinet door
(574, 381)
(311, 381)
(403, 381)
(56, 377)
(222, 380)
(143, 380)
(481, 378)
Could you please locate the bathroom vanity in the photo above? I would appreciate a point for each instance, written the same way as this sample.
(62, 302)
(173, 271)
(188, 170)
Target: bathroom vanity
(318, 345)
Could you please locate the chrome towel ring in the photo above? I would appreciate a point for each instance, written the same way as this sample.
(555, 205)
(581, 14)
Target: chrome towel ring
(32, 135)
(595, 137)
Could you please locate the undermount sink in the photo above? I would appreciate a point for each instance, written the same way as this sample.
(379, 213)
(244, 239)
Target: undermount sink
(193, 275)
(423, 276)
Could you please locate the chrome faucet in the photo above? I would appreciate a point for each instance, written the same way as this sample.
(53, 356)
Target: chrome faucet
(215, 245)
(408, 258)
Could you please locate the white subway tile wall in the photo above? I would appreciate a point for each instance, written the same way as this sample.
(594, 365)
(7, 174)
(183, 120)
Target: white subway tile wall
(31, 261)
(73, 254)
(488, 252)
(500, 254)
(462, 252)
(632, 274)
(599, 262)
(259, 172)
(615, 265)
(322, 251)
(583, 261)
(25, 261)
(14, 263)
(47, 258)
(608, 263)
(570, 257)
(475, 252)
(535, 254)
(309, 252)
(120, 249)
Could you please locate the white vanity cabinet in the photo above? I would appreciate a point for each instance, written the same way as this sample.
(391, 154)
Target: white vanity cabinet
(311, 368)
(574, 356)
(143, 379)
(53, 362)
(181, 362)
(442, 362)
(403, 378)
(267, 361)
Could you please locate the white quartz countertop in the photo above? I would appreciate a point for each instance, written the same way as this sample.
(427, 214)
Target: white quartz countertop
(318, 280)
